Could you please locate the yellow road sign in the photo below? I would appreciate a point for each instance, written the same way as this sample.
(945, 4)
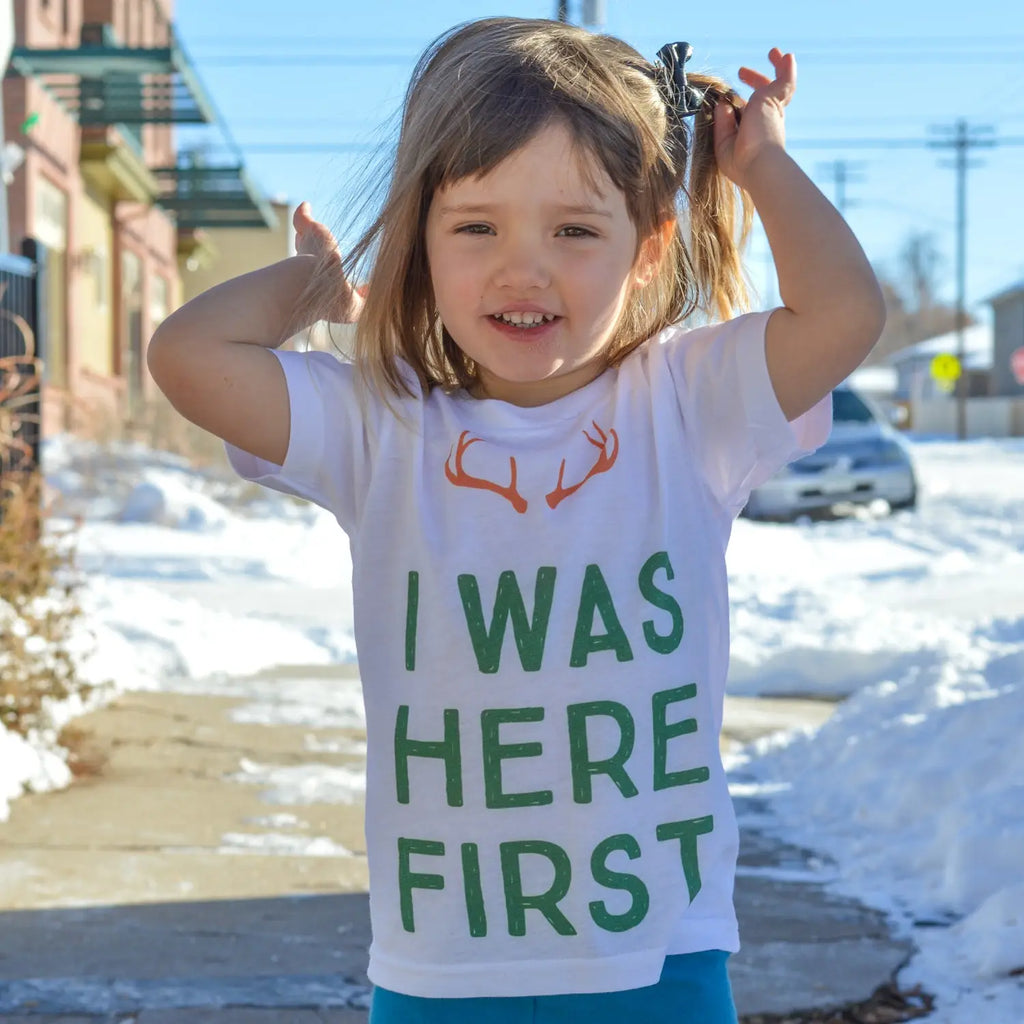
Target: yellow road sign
(945, 367)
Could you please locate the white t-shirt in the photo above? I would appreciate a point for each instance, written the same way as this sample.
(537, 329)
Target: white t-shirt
(542, 624)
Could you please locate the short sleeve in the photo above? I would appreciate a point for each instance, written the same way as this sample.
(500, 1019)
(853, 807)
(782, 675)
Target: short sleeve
(327, 455)
(738, 431)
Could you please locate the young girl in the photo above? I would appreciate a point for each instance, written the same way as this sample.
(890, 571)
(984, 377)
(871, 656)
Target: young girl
(538, 469)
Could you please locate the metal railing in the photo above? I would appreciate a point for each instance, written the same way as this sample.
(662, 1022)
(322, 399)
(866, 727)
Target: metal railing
(20, 364)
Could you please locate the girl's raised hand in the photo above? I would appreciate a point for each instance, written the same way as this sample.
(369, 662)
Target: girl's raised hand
(744, 130)
(311, 237)
(314, 239)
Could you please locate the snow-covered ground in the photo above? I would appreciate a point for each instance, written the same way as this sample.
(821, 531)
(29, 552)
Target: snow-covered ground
(914, 789)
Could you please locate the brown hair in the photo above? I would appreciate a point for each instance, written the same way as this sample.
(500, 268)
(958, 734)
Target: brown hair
(477, 95)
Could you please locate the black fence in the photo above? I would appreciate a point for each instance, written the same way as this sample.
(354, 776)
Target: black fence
(20, 361)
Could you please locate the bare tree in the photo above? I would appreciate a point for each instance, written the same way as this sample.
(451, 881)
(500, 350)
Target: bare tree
(920, 262)
(914, 311)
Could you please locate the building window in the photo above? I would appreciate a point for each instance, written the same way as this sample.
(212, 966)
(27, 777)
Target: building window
(49, 227)
(158, 302)
(100, 267)
(131, 342)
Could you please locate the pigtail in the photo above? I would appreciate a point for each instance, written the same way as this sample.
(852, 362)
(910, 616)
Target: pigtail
(720, 213)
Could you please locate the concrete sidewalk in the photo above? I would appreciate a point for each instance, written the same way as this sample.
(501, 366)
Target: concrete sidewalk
(136, 895)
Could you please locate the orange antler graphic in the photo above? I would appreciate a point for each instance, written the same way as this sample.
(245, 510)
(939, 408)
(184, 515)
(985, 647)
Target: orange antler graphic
(461, 478)
(604, 462)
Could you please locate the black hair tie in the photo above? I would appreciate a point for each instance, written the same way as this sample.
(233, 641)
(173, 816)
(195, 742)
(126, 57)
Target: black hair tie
(683, 99)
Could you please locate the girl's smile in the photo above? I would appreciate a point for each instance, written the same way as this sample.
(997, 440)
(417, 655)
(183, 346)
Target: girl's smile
(532, 265)
(525, 325)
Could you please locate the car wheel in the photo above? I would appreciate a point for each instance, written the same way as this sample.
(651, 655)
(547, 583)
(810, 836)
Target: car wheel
(908, 504)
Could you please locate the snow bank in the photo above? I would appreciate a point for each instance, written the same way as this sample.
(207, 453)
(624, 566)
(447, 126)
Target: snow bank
(915, 787)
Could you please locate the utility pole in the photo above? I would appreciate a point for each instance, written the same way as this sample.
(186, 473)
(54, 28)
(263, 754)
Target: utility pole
(6, 45)
(592, 12)
(962, 137)
(842, 172)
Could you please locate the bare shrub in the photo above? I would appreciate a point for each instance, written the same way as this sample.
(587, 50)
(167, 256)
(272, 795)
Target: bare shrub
(39, 607)
(38, 588)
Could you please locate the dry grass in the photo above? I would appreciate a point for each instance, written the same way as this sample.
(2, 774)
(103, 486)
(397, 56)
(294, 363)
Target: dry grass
(38, 586)
(85, 757)
(154, 424)
(888, 1005)
(159, 427)
(39, 607)
(39, 583)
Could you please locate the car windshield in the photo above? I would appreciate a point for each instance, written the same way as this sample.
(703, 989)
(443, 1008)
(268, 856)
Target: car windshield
(848, 408)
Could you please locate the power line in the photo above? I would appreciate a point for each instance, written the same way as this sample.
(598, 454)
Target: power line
(833, 144)
(278, 59)
(916, 212)
(941, 44)
(894, 143)
(1005, 117)
(351, 125)
(309, 59)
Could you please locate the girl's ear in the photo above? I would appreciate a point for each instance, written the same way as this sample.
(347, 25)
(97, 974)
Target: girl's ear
(652, 251)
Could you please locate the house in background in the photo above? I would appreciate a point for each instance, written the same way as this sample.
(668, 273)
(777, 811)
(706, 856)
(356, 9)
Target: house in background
(122, 224)
(220, 253)
(995, 397)
(1008, 337)
(913, 364)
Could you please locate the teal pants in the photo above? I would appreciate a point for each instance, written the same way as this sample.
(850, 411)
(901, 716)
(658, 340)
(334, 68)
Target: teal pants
(693, 989)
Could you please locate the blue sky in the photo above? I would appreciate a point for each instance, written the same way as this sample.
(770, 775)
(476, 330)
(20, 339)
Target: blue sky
(328, 72)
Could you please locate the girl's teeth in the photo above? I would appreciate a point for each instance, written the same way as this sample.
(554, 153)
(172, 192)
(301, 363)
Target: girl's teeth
(524, 319)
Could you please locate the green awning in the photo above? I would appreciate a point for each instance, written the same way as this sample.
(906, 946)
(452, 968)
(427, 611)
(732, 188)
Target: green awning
(101, 83)
(213, 197)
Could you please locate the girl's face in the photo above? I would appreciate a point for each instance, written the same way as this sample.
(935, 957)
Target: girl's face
(532, 242)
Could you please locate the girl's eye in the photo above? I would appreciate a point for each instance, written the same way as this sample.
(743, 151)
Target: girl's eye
(570, 231)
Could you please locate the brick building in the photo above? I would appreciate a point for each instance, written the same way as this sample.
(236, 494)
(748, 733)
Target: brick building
(119, 218)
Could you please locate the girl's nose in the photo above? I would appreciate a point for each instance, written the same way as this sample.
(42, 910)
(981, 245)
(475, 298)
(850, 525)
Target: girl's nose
(520, 266)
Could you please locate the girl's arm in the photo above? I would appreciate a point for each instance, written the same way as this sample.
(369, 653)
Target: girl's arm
(211, 357)
(833, 310)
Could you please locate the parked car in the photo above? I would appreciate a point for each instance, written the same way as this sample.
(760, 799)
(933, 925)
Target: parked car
(864, 460)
